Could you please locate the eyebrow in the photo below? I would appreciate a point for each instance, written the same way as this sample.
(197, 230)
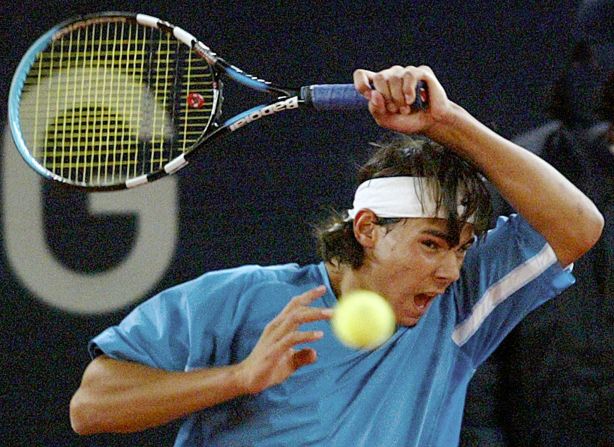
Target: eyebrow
(446, 237)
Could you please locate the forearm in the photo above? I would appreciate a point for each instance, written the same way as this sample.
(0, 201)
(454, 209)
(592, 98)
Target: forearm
(557, 209)
(118, 396)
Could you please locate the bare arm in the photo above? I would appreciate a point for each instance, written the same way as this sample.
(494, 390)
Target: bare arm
(120, 396)
(567, 219)
(556, 208)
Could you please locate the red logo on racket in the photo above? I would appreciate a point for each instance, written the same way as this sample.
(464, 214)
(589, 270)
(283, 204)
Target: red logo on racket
(195, 101)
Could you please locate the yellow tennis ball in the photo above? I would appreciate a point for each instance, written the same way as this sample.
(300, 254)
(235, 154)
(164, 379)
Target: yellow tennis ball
(363, 320)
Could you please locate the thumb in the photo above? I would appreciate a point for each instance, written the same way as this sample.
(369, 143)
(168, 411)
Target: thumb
(377, 104)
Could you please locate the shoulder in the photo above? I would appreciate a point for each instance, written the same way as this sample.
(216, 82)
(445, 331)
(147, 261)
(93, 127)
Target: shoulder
(253, 293)
(252, 275)
(241, 283)
(513, 225)
(229, 293)
(512, 241)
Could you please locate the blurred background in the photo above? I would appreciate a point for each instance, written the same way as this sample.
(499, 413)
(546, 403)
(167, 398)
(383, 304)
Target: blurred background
(72, 263)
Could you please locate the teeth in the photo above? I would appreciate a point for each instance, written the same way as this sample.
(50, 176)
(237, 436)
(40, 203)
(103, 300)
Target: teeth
(421, 300)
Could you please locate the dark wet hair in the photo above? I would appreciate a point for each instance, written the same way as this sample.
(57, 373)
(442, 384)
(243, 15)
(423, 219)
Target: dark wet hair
(447, 175)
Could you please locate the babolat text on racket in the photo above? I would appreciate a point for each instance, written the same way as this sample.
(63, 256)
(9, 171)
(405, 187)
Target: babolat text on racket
(116, 100)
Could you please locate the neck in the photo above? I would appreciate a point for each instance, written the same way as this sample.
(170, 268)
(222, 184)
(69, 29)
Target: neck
(343, 278)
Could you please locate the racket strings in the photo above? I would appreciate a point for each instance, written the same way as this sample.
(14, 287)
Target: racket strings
(113, 101)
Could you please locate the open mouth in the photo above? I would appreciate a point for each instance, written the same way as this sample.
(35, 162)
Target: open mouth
(422, 300)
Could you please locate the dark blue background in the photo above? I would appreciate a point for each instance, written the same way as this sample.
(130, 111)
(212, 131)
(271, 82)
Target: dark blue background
(253, 199)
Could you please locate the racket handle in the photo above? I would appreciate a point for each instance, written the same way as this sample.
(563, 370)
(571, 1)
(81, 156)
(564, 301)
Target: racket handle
(345, 97)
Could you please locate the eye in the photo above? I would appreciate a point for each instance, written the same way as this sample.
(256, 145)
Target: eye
(431, 244)
(465, 248)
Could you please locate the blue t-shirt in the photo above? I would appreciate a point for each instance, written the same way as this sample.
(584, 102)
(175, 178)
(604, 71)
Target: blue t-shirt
(408, 392)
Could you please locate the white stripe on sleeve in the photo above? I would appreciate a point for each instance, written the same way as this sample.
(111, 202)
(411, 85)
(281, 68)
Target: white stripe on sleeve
(501, 290)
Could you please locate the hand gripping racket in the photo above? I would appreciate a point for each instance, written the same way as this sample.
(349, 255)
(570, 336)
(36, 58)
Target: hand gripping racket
(114, 100)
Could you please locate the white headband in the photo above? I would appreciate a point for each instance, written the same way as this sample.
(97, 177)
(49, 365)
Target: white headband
(398, 197)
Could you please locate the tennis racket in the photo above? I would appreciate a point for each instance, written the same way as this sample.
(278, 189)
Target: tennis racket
(116, 100)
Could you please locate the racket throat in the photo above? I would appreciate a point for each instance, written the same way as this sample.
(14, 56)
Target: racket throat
(261, 111)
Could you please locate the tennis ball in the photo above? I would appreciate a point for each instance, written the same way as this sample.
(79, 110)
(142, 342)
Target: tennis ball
(363, 320)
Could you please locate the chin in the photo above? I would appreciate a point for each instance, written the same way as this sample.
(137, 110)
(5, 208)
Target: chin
(408, 321)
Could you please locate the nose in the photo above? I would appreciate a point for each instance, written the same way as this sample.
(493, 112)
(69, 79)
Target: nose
(449, 269)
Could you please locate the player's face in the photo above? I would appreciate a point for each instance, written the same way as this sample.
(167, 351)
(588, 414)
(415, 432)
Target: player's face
(412, 262)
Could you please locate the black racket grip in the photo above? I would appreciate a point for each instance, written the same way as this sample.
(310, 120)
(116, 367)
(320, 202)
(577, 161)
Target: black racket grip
(345, 97)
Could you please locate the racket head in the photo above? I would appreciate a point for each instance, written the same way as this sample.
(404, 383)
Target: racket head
(111, 100)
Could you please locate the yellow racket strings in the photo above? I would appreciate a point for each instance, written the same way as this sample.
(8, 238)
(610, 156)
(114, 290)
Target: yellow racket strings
(113, 100)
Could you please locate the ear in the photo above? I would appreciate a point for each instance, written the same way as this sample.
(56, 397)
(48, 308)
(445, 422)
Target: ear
(365, 228)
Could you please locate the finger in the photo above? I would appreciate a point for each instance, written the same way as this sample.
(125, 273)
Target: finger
(410, 80)
(377, 105)
(305, 299)
(291, 321)
(362, 82)
(380, 84)
(297, 338)
(304, 357)
(395, 85)
(311, 314)
(438, 99)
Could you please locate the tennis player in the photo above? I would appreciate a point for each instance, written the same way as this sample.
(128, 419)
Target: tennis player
(246, 356)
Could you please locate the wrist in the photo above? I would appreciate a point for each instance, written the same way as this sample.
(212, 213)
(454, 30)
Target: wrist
(447, 125)
(241, 379)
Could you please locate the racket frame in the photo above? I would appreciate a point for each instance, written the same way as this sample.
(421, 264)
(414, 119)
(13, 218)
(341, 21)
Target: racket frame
(285, 98)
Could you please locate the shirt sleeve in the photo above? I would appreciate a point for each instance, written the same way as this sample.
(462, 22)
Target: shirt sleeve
(509, 273)
(197, 318)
